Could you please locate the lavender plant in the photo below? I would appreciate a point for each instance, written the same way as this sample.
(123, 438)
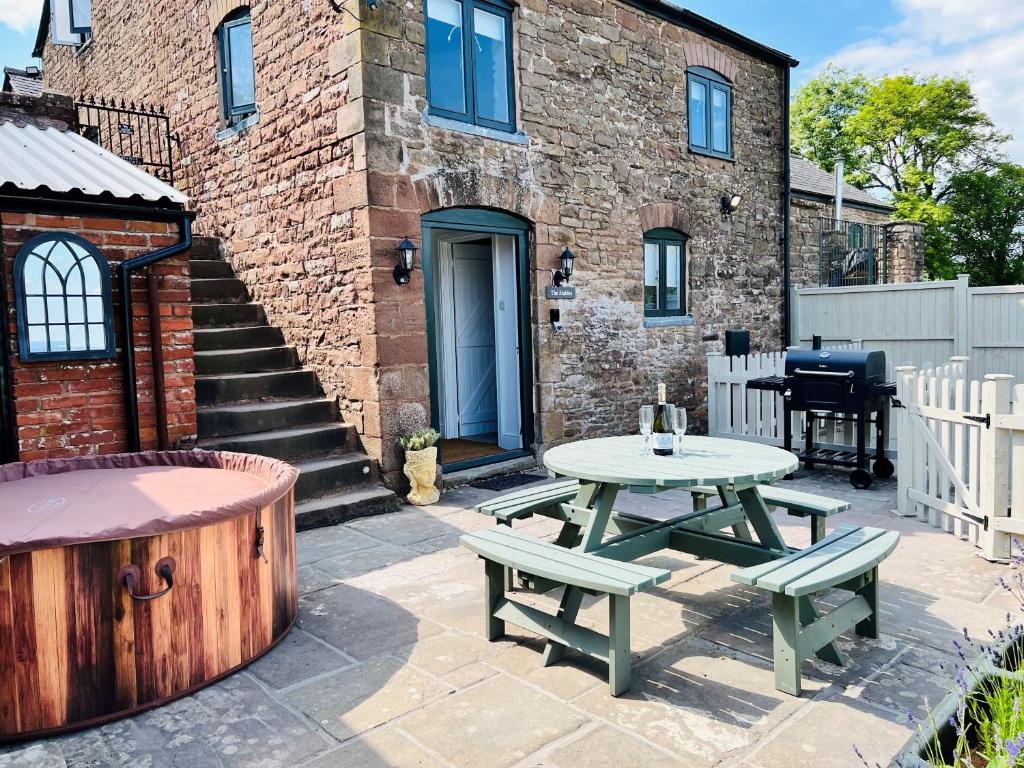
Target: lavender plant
(989, 722)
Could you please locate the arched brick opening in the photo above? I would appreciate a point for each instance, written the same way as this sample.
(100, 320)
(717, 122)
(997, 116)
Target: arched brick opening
(220, 9)
(704, 55)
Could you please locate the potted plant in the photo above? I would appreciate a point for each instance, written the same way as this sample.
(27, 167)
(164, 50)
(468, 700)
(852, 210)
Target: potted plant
(421, 465)
(980, 724)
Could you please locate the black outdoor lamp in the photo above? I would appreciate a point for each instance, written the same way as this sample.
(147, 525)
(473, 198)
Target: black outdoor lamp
(730, 203)
(562, 275)
(406, 251)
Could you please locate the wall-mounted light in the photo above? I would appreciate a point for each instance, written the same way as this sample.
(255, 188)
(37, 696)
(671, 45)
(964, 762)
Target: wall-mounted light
(730, 203)
(341, 8)
(563, 274)
(406, 251)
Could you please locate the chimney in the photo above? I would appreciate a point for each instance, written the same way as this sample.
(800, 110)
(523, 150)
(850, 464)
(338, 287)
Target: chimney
(839, 190)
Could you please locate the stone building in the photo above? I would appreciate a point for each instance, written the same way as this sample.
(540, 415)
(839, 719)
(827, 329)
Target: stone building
(648, 141)
(898, 246)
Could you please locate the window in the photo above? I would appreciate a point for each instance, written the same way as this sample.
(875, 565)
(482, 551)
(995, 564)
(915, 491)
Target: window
(70, 22)
(710, 112)
(469, 62)
(62, 299)
(238, 77)
(664, 273)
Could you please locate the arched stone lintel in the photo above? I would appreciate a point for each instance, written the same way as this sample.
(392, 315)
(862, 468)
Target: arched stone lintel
(468, 189)
(664, 216)
(219, 10)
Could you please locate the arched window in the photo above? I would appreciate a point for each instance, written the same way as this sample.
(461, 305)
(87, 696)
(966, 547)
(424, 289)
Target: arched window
(710, 112)
(664, 273)
(62, 299)
(237, 70)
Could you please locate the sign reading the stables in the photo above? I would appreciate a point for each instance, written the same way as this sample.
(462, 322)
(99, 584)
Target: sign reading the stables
(560, 292)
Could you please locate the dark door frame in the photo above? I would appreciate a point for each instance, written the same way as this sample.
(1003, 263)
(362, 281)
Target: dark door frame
(488, 222)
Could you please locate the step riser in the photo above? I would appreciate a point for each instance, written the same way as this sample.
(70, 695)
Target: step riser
(231, 423)
(226, 290)
(291, 448)
(296, 384)
(207, 340)
(227, 315)
(344, 512)
(204, 248)
(207, 269)
(313, 485)
(246, 361)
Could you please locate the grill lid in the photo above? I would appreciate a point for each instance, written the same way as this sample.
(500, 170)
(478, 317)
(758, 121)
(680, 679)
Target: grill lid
(865, 364)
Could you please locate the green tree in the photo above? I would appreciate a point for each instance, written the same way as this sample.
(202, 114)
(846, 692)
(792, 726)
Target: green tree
(818, 118)
(913, 134)
(985, 226)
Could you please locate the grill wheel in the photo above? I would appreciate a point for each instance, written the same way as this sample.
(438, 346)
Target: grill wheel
(860, 479)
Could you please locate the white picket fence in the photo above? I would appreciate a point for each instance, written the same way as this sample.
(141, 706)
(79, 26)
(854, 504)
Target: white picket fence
(737, 412)
(960, 466)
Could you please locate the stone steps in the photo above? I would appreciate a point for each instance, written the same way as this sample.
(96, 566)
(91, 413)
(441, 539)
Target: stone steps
(254, 397)
(265, 385)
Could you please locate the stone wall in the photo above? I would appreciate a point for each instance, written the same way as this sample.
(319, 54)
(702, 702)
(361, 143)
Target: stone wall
(602, 105)
(283, 195)
(904, 241)
(311, 201)
(76, 407)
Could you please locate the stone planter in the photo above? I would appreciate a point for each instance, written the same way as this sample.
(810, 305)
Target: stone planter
(938, 727)
(421, 470)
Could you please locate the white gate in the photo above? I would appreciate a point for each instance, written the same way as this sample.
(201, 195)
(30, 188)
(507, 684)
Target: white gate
(960, 464)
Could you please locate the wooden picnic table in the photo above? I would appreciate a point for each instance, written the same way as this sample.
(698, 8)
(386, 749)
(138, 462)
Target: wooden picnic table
(605, 465)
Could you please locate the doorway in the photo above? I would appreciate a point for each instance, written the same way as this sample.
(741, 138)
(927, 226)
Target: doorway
(478, 328)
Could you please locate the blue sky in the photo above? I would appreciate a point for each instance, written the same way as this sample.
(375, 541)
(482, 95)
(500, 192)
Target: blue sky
(980, 39)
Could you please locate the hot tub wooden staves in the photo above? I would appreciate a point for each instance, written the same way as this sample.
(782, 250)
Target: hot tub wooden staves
(76, 648)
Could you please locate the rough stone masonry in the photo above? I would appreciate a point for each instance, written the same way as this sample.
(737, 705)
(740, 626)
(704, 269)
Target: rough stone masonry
(340, 165)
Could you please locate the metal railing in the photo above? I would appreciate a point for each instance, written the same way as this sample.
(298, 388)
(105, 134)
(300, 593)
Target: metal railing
(851, 253)
(137, 133)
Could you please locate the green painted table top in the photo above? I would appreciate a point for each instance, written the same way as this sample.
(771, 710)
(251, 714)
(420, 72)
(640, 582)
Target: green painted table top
(706, 461)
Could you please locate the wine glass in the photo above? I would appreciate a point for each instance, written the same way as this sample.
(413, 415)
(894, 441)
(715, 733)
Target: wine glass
(646, 427)
(679, 427)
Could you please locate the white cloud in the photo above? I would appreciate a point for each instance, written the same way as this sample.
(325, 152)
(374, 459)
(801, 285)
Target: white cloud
(20, 15)
(982, 40)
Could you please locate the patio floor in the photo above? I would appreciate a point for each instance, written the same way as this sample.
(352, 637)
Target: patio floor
(387, 665)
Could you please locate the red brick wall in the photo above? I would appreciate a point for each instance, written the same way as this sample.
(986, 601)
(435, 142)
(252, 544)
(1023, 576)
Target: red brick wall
(76, 407)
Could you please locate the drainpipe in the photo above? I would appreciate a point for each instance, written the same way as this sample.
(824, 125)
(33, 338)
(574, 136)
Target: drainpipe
(8, 430)
(124, 273)
(787, 201)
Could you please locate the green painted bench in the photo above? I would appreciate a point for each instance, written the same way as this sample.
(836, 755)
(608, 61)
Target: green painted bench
(797, 503)
(502, 547)
(524, 503)
(847, 559)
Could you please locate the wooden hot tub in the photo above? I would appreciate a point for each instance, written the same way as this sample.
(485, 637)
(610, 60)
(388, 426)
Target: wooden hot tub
(130, 580)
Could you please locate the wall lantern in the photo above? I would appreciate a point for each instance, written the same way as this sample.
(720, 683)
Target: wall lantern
(730, 203)
(406, 251)
(562, 275)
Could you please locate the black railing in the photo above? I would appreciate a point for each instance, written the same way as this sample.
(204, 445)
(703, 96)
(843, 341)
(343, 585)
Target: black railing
(137, 133)
(851, 253)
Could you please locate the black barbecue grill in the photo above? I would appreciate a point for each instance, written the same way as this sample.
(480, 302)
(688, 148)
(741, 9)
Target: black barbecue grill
(836, 385)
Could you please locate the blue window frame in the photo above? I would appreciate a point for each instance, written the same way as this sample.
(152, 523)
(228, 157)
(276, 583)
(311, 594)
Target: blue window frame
(709, 100)
(469, 62)
(62, 299)
(237, 70)
(664, 273)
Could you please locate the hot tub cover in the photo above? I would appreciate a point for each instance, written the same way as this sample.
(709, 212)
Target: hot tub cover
(56, 502)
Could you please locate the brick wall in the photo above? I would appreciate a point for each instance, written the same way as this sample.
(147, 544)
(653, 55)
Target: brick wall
(76, 408)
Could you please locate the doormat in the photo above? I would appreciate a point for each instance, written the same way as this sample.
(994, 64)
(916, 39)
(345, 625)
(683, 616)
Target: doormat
(506, 482)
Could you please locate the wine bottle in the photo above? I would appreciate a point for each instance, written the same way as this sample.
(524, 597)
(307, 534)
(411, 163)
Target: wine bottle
(662, 427)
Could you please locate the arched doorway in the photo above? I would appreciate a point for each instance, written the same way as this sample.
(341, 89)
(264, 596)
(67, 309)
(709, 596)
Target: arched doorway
(477, 282)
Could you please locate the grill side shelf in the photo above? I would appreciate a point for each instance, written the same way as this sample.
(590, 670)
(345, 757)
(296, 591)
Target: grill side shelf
(768, 383)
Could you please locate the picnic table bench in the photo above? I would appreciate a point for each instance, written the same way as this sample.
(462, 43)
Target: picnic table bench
(847, 559)
(502, 548)
(594, 550)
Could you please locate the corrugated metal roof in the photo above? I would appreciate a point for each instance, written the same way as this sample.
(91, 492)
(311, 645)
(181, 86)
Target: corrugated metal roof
(49, 160)
(805, 176)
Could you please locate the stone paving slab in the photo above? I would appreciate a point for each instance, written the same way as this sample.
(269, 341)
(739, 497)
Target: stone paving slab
(388, 668)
